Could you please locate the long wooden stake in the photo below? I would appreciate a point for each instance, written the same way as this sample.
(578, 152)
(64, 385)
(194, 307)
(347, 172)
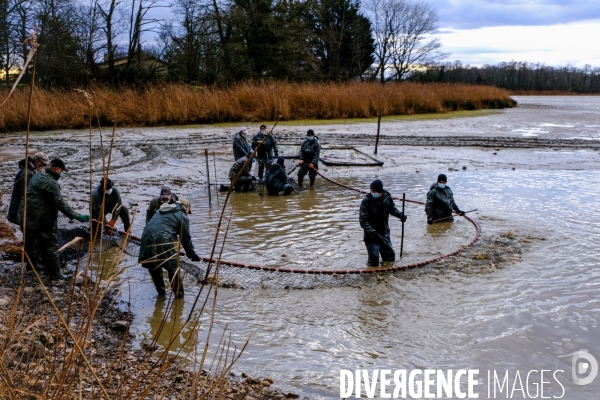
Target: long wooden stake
(208, 177)
(377, 139)
(402, 240)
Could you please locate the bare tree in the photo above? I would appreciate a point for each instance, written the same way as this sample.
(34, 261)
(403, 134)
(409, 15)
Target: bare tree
(402, 31)
(108, 12)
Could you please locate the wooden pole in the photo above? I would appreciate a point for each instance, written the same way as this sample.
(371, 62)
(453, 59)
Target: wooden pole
(208, 177)
(378, 126)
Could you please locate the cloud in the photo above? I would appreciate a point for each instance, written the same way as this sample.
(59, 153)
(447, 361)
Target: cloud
(472, 14)
(555, 45)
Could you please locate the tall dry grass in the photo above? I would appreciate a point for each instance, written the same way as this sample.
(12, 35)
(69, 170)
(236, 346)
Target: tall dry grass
(176, 104)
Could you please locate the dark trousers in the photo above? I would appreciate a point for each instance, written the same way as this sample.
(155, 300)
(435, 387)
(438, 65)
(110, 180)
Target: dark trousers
(156, 272)
(385, 249)
(287, 189)
(46, 244)
(243, 184)
(305, 169)
(262, 164)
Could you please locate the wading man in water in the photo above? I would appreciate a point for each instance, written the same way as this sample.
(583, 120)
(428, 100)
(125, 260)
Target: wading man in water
(240, 144)
(440, 201)
(244, 182)
(310, 150)
(165, 197)
(160, 245)
(265, 152)
(277, 179)
(44, 201)
(112, 204)
(375, 210)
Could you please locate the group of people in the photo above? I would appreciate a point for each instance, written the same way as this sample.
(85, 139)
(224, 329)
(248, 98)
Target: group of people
(36, 214)
(167, 224)
(375, 208)
(265, 146)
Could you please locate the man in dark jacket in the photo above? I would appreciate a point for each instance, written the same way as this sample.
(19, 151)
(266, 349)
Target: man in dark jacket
(309, 158)
(244, 182)
(166, 196)
(277, 179)
(44, 201)
(440, 201)
(167, 231)
(112, 204)
(375, 210)
(240, 144)
(265, 152)
(38, 161)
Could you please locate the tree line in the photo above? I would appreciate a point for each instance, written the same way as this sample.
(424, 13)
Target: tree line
(216, 41)
(516, 76)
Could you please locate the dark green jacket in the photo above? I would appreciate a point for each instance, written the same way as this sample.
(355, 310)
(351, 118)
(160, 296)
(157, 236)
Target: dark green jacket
(240, 146)
(110, 201)
(276, 178)
(18, 189)
(374, 215)
(155, 204)
(44, 201)
(440, 202)
(161, 236)
(310, 150)
(267, 148)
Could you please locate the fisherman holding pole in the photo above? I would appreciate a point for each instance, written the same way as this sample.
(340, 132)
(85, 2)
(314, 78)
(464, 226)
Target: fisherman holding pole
(440, 202)
(375, 210)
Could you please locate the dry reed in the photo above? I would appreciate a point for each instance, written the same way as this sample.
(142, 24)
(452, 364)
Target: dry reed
(175, 104)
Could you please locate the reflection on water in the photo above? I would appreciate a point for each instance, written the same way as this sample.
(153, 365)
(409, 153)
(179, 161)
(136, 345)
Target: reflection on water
(167, 331)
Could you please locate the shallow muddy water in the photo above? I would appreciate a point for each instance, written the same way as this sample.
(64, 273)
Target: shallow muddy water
(526, 316)
(530, 315)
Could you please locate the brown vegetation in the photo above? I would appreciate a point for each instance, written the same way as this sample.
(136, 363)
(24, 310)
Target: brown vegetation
(181, 104)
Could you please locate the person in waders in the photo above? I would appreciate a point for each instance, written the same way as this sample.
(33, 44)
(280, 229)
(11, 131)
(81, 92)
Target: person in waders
(440, 202)
(44, 201)
(310, 150)
(277, 179)
(375, 210)
(168, 228)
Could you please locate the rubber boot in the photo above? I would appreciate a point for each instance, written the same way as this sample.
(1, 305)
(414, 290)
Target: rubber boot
(58, 275)
(312, 182)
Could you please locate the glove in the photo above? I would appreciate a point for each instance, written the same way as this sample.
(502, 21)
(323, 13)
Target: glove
(429, 220)
(195, 257)
(82, 218)
(402, 217)
(111, 223)
(461, 213)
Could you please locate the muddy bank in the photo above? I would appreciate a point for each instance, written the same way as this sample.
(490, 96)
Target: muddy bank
(41, 358)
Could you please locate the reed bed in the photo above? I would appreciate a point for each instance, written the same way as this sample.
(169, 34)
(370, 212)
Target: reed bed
(178, 104)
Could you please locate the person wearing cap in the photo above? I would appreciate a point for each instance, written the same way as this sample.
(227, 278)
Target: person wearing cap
(107, 195)
(265, 151)
(36, 163)
(244, 182)
(168, 229)
(44, 201)
(166, 196)
(440, 201)
(310, 150)
(277, 179)
(240, 144)
(375, 210)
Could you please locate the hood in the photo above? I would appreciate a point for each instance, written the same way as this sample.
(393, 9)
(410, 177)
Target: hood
(22, 164)
(235, 135)
(166, 207)
(275, 167)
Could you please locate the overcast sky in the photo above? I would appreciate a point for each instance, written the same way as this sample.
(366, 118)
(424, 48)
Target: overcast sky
(554, 32)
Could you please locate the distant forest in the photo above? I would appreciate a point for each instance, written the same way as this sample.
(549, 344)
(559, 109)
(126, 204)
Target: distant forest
(223, 42)
(516, 76)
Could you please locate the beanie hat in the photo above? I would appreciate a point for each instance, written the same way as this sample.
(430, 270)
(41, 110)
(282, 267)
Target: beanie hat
(109, 184)
(280, 160)
(310, 132)
(377, 186)
(442, 178)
